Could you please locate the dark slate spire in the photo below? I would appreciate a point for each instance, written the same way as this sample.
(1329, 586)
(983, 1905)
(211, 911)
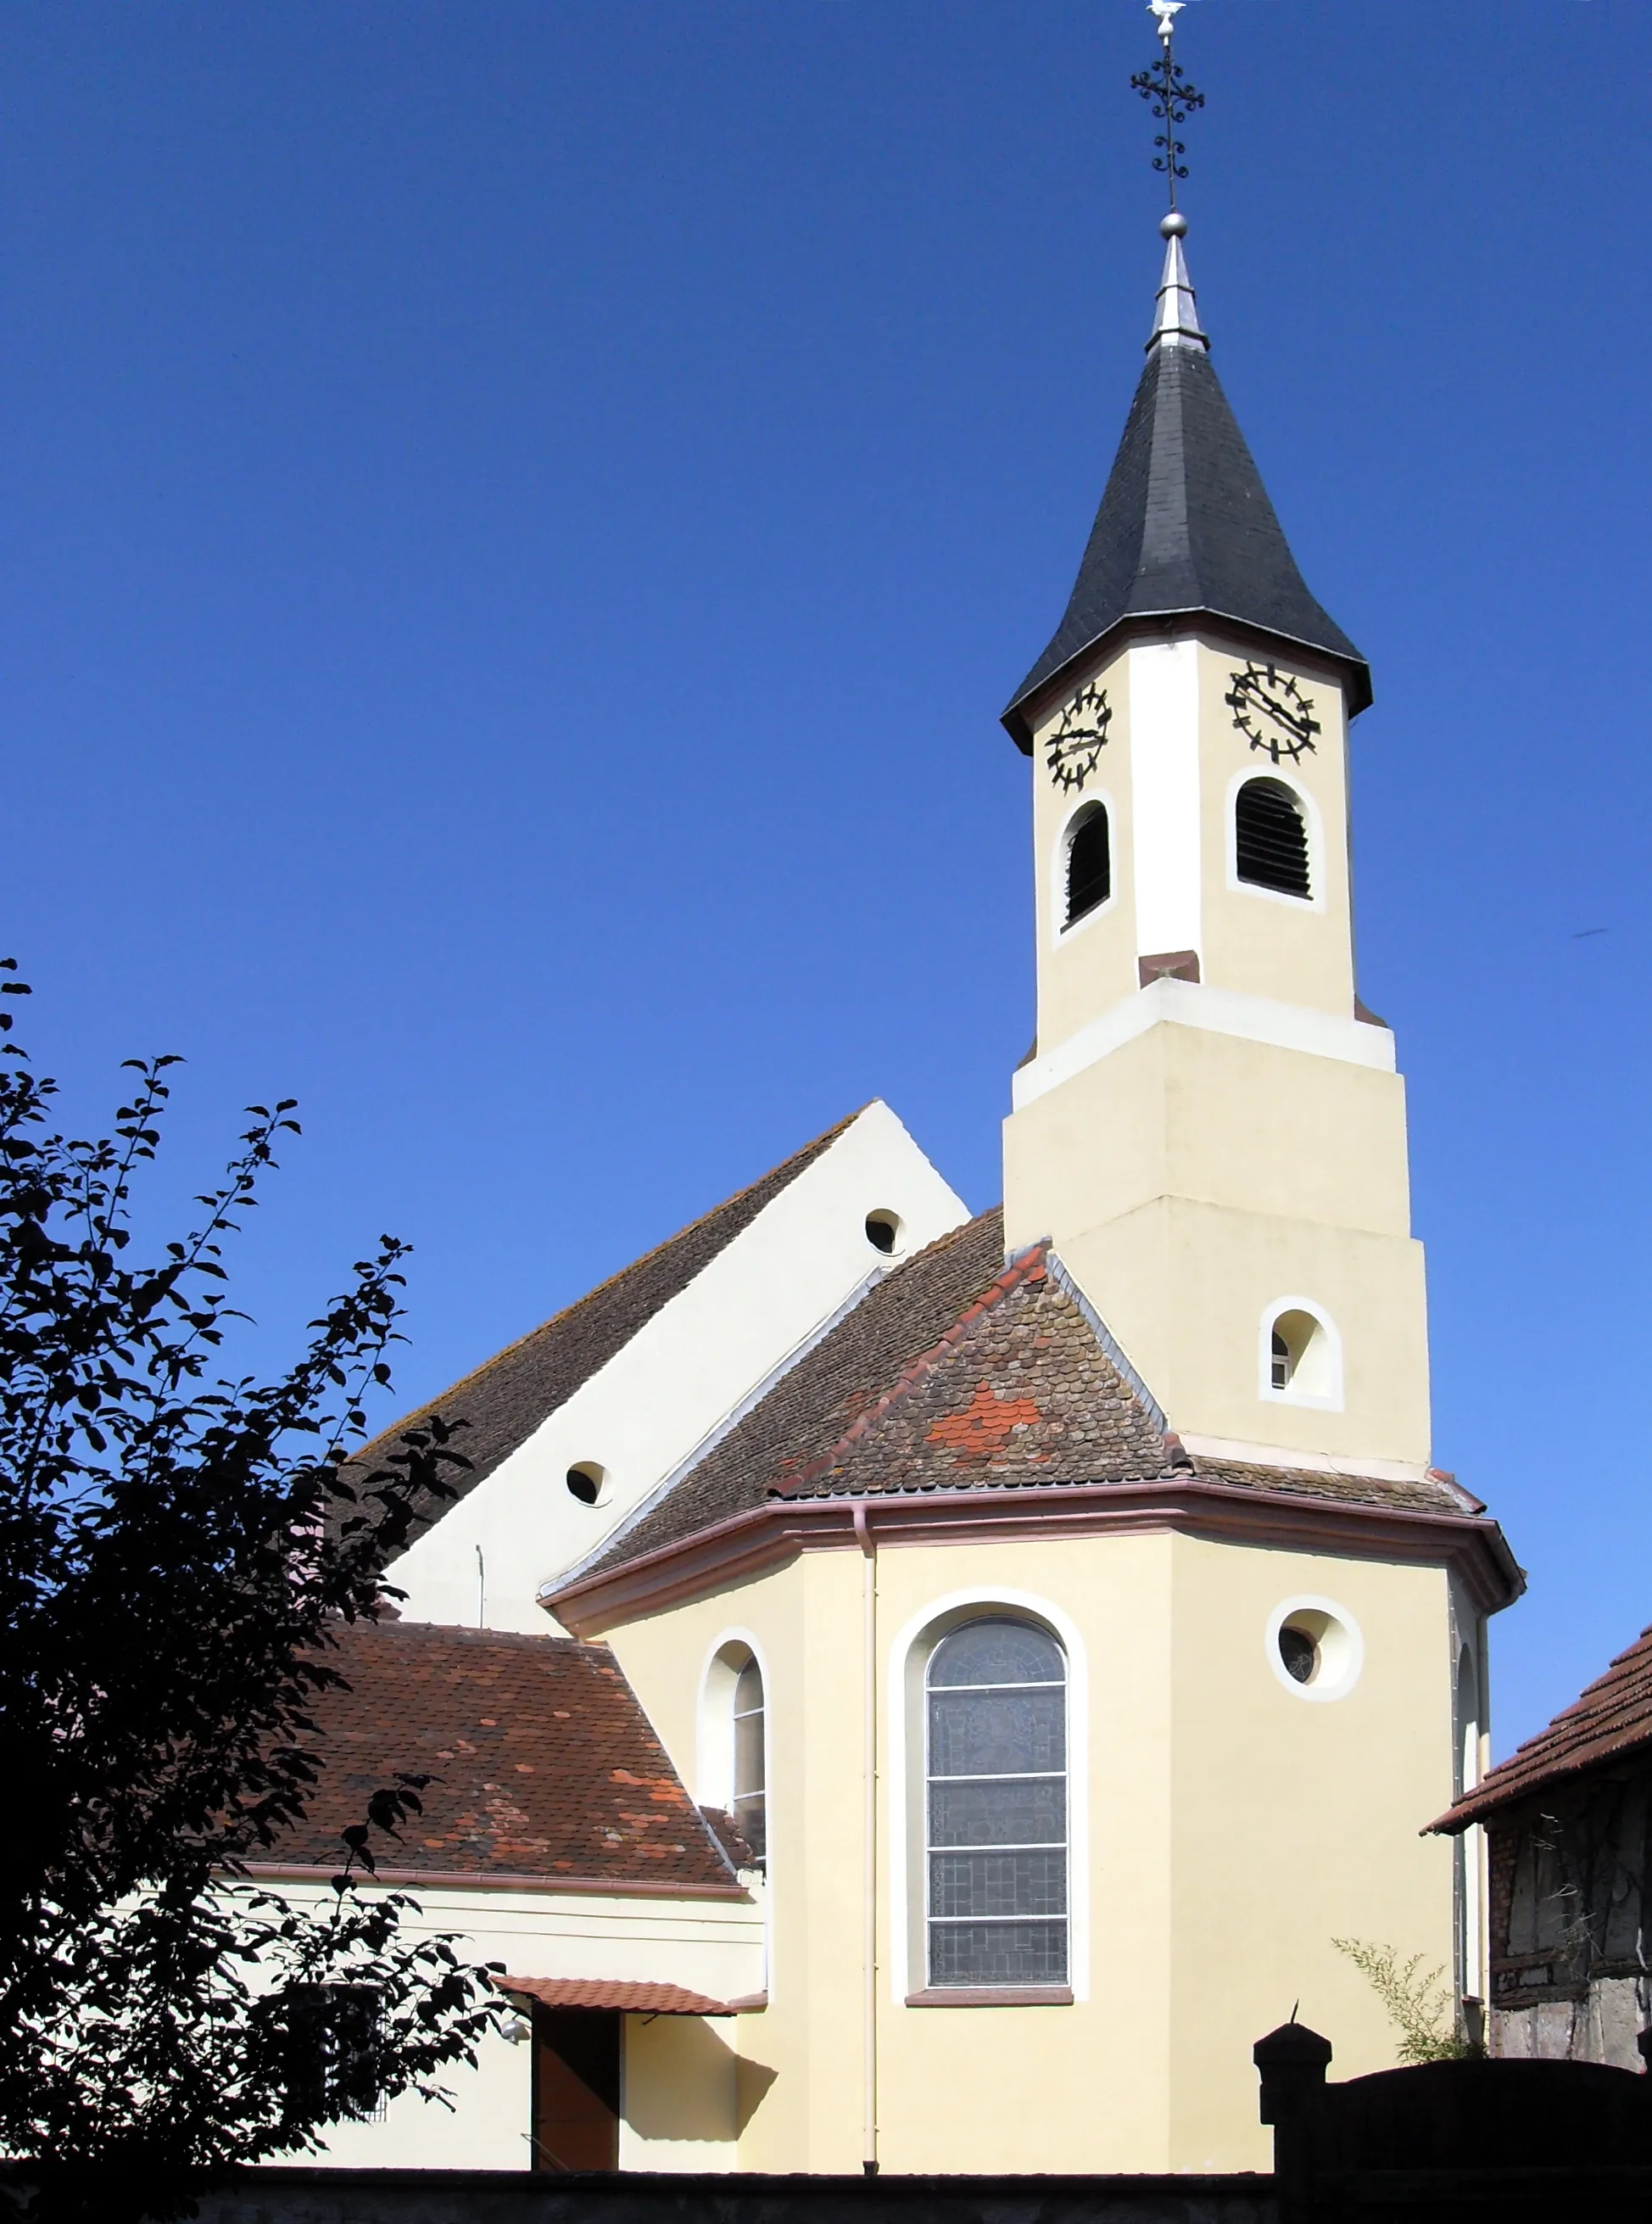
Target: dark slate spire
(1185, 529)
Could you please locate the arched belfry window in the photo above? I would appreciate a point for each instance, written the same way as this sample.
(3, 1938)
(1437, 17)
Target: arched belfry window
(1301, 1355)
(1089, 862)
(1271, 838)
(751, 1791)
(996, 1806)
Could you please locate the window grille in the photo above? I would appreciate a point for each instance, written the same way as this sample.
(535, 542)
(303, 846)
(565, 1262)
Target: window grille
(1089, 863)
(996, 1784)
(1281, 1362)
(333, 2041)
(1271, 838)
(750, 1790)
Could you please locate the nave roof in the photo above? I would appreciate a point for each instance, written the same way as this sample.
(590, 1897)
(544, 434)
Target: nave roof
(502, 1403)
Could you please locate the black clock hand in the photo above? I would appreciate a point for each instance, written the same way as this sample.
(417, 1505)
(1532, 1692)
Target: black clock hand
(1300, 722)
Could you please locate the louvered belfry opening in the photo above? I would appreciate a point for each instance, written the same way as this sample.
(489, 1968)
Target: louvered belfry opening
(1089, 863)
(1271, 838)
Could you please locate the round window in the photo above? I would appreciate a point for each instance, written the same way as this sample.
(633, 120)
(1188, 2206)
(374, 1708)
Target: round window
(1314, 1648)
(588, 1482)
(883, 1232)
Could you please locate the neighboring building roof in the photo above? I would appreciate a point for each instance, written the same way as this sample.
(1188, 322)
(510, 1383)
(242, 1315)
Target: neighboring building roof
(505, 1400)
(542, 1764)
(614, 1992)
(958, 1372)
(1612, 1720)
(1186, 529)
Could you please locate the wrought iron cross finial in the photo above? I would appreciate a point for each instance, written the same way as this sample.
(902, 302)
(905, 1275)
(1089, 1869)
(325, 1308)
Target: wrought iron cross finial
(1171, 97)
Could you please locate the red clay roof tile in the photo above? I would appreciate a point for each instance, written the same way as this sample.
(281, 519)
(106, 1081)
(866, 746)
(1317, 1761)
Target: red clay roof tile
(542, 1763)
(1612, 1718)
(505, 1400)
(615, 1993)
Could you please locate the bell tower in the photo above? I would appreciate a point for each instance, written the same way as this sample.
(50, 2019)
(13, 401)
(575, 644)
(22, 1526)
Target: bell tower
(1211, 1126)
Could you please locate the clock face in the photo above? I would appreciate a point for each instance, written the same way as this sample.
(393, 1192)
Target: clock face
(1271, 712)
(1079, 738)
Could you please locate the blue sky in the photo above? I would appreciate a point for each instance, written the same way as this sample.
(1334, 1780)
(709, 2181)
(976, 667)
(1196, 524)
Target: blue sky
(519, 520)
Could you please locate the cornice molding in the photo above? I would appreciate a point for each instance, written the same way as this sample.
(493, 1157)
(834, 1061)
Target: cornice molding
(750, 1543)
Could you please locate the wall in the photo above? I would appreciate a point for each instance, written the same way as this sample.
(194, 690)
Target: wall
(686, 1374)
(1202, 1149)
(1166, 773)
(680, 2104)
(1235, 1173)
(1232, 1829)
(305, 2196)
(1568, 1874)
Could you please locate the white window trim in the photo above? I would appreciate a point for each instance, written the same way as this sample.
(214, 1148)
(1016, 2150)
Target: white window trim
(713, 1721)
(1059, 930)
(908, 1960)
(1314, 824)
(714, 1761)
(1337, 1687)
(1332, 1401)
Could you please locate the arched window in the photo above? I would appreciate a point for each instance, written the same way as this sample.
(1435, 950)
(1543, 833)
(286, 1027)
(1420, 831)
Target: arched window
(1271, 838)
(1089, 862)
(750, 1787)
(1303, 1361)
(996, 1806)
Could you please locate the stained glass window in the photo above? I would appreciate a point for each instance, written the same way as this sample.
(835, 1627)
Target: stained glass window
(996, 1789)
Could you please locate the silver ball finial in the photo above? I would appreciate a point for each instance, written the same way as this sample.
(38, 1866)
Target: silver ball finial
(1173, 225)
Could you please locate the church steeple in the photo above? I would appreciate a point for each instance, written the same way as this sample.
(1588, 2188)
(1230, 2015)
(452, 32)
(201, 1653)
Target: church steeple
(1211, 1128)
(1185, 529)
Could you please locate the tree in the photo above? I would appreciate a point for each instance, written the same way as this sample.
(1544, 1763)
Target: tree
(175, 1550)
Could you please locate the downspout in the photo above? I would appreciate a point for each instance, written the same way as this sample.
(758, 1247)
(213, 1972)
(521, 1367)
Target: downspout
(869, 1825)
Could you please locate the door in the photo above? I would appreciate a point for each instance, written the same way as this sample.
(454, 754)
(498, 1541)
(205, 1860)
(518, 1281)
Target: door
(576, 2088)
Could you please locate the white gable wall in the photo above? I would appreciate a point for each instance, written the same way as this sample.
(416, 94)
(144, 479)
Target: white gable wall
(680, 1380)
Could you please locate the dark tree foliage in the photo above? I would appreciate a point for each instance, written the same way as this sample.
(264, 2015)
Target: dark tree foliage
(175, 1550)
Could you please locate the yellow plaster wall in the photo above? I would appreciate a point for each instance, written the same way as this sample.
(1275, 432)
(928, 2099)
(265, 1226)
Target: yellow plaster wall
(1249, 939)
(1092, 965)
(1263, 944)
(1295, 1824)
(1191, 1175)
(1190, 1180)
(1232, 1829)
(1219, 1119)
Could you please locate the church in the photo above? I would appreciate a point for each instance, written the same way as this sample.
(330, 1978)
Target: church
(918, 1692)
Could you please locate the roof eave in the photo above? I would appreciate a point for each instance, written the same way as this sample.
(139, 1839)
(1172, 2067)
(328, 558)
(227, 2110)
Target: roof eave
(760, 1538)
(1018, 719)
(1490, 1799)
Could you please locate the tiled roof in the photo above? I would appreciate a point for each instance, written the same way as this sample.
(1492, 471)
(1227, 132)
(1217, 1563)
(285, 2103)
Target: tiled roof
(959, 1373)
(1433, 1493)
(614, 1992)
(1186, 528)
(504, 1400)
(1613, 1719)
(542, 1763)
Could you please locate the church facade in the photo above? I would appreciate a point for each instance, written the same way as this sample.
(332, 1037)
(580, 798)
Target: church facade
(1048, 1628)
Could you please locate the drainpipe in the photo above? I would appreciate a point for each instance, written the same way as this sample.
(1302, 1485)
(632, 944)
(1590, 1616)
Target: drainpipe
(869, 1881)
